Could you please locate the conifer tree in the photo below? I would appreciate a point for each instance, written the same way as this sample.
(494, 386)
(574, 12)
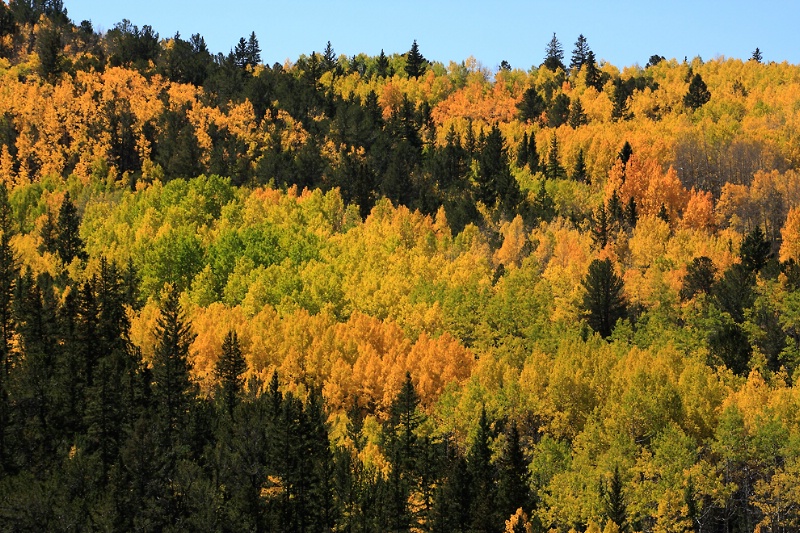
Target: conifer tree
(229, 370)
(577, 117)
(757, 57)
(9, 269)
(533, 155)
(416, 64)
(382, 65)
(328, 58)
(700, 274)
(614, 501)
(698, 94)
(579, 172)
(554, 55)
(512, 482)
(483, 512)
(554, 170)
(531, 106)
(522, 151)
(68, 241)
(579, 53)
(631, 213)
(173, 391)
(603, 301)
(559, 111)
(594, 78)
(601, 227)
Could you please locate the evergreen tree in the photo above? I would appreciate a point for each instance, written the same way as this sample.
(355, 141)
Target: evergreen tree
(554, 55)
(631, 213)
(579, 54)
(698, 94)
(755, 250)
(654, 60)
(614, 501)
(543, 206)
(531, 106)
(9, 269)
(577, 117)
(757, 57)
(600, 227)
(522, 151)
(663, 214)
(603, 301)
(483, 512)
(229, 370)
(554, 170)
(559, 111)
(699, 278)
(579, 172)
(512, 482)
(594, 78)
(329, 62)
(619, 99)
(533, 155)
(382, 65)
(615, 210)
(416, 64)
(625, 153)
(173, 391)
(68, 241)
(495, 181)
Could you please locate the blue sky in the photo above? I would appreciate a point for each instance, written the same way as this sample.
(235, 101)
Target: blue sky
(622, 32)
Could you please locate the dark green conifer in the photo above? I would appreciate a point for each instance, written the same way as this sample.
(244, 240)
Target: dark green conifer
(603, 301)
(554, 55)
(698, 94)
(416, 64)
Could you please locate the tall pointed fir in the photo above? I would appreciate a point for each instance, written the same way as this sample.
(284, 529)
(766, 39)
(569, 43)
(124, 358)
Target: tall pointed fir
(579, 53)
(229, 371)
(554, 170)
(68, 241)
(416, 64)
(603, 301)
(579, 171)
(382, 65)
(594, 78)
(9, 269)
(173, 391)
(554, 55)
(483, 512)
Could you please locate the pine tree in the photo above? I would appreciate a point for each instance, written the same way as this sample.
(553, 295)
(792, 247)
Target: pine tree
(229, 370)
(483, 512)
(68, 241)
(522, 151)
(579, 172)
(631, 213)
(531, 106)
(700, 274)
(173, 391)
(329, 62)
(755, 250)
(9, 269)
(533, 155)
(559, 111)
(577, 117)
(253, 51)
(495, 181)
(698, 94)
(382, 65)
(625, 153)
(579, 53)
(512, 482)
(757, 57)
(416, 64)
(554, 55)
(603, 301)
(554, 170)
(619, 99)
(614, 501)
(601, 227)
(615, 210)
(594, 78)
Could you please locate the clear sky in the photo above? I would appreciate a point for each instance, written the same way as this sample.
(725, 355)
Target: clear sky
(622, 32)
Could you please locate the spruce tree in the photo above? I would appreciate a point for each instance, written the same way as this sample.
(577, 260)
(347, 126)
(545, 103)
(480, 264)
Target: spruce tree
(614, 501)
(483, 511)
(416, 64)
(531, 106)
(554, 55)
(173, 390)
(9, 269)
(594, 78)
(603, 301)
(700, 276)
(601, 227)
(533, 155)
(698, 94)
(559, 111)
(577, 117)
(554, 170)
(512, 482)
(382, 65)
(631, 213)
(579, 171)
(522, 151)
(329, 62)
(757, 57)
(579, 53)
(68, 241)
(229, 370)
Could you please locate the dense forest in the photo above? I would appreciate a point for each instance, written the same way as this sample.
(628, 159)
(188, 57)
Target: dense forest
(381, 293)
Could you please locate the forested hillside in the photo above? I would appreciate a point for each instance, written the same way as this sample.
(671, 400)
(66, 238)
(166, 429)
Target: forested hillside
(383, 293)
